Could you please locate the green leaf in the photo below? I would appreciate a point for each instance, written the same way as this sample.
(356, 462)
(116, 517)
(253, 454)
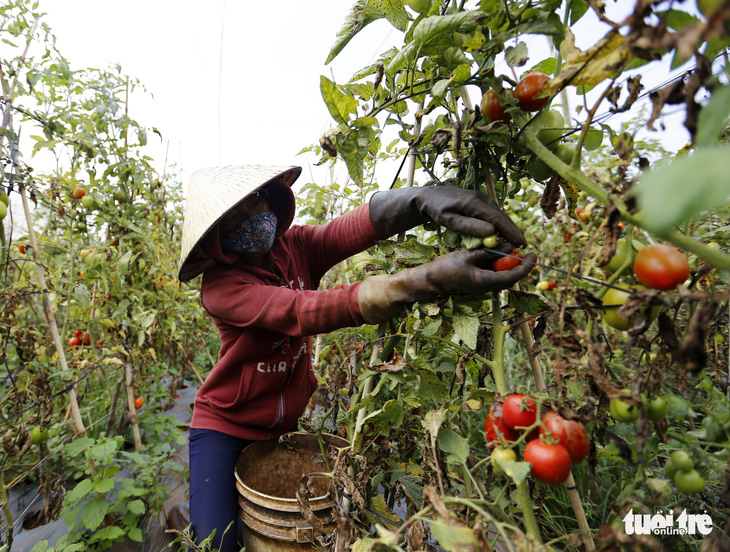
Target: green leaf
(676, 192)
(453, 537)
(528, 303)
(578, 8)
(81, 490)
(713, 117)
(362, 14)
(93, 512)
(594, 139)
(136, 507)
(432, 37)
(466, 326)
(41, 546)
(440, 89)
(678, 19)
(78, 446)
(516, 56)
(109, 533)
(518, 471)
(454, 445)
(135, 534)
(339, 105)
(105, 450)
(394, 12)
(104, 485)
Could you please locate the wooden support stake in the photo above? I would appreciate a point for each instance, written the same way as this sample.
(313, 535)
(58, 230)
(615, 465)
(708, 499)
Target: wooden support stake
(132, 409)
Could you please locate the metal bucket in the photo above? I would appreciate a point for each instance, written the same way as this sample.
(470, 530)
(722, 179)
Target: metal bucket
(267, 479)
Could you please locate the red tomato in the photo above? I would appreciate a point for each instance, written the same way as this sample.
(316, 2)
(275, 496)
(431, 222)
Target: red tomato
(507, 263)
(21, 248)
(138, 402)
(569, 433)
(550, 463)
(86, 339)
(495, 427)
(74, 342)
(492, 107)
(660, 266)
(526, 90)
(519, 411)
(77, 333)
(78, 192)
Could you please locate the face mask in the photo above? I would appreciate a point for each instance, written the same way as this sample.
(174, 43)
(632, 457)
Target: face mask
(254, 236)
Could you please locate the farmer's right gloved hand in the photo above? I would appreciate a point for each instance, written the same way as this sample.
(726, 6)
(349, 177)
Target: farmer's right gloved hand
(382, 297)
(466, 211)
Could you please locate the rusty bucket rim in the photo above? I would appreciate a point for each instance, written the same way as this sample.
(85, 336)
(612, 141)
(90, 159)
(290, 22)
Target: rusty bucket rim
(288, 501)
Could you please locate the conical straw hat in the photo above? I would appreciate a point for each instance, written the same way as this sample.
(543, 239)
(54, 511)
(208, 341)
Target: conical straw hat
(214, 191)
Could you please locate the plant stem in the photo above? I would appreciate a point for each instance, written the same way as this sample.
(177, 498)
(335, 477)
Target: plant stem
(498, 333)
(572, 174)
(528, 514)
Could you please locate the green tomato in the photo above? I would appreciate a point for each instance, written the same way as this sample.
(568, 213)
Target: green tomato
(670, 469)
(538, 169)
(612, 302)
(689, 482)
(38, 435)
(708, 7)
(500, 453)
(4, 198)
(656, 409)
(87, 202)
(418, 6)
(120, 196)
(490, 241)
(623, 412)
(3, 210)
(618, 258)
(552, 129)
(682, 460)
(565, 152)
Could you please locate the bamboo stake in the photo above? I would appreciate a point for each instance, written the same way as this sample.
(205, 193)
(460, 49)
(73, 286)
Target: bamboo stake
(132, 408)
(51, 321)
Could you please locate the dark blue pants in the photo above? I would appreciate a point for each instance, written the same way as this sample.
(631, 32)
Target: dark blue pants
(213, 494)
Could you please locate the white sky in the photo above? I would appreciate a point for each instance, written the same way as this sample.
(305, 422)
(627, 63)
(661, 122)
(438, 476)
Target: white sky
(236, 82)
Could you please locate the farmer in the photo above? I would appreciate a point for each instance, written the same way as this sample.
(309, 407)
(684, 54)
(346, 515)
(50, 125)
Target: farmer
(259, 285)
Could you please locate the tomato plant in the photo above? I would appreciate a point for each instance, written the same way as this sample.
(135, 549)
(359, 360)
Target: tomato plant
(526, 90)
(660, 266)
(549, 463)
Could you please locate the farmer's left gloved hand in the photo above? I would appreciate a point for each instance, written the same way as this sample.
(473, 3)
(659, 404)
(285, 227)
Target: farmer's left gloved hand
(466, 211)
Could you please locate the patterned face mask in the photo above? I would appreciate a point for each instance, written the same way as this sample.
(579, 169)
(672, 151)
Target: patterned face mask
(254, 236)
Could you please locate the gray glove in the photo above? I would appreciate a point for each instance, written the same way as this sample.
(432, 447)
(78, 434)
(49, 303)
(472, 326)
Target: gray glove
(465, 211)
(464, 271)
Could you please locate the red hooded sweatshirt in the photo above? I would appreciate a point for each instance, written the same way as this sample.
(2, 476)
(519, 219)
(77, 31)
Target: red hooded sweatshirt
(263, 379)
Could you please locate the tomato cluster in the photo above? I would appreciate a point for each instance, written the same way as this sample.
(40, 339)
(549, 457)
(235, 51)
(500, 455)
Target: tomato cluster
(680, 469)
(623, 412)
(493, 106)
(79, 338)
(551, 449)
